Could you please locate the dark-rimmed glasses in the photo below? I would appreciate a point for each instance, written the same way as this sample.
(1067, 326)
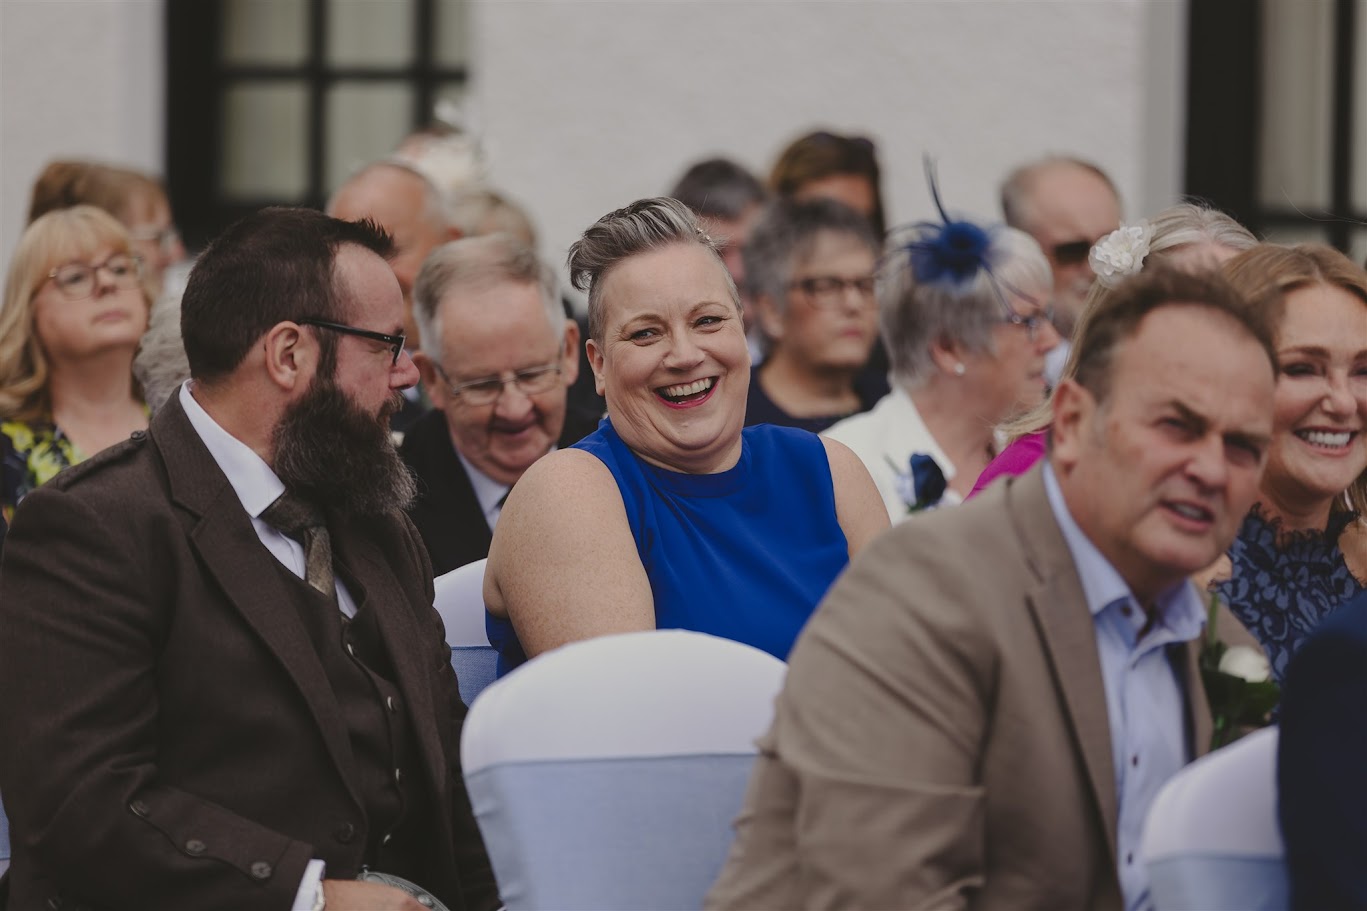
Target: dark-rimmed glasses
(828, 291)
(76, 281)
(487, 389)
(395, 342)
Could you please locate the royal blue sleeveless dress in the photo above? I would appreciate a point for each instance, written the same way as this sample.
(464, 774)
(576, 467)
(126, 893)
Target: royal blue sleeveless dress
(745, 554)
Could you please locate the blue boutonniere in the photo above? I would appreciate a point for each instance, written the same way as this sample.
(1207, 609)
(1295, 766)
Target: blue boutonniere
(923, 486)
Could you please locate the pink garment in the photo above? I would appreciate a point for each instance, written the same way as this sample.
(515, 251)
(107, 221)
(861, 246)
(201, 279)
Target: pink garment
(1014, 460)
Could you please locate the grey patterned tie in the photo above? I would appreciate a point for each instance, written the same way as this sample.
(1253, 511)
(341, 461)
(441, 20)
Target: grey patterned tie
(304, 522)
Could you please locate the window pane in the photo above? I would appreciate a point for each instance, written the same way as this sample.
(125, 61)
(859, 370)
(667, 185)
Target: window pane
(450, 33)
(370, 33)
(1298, 57)
(1359, 162)
(1357, 249)
(365, 121)
(265, 32)
(265, 142)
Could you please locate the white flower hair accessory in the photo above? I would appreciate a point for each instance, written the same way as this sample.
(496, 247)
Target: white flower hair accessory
(1121, 253)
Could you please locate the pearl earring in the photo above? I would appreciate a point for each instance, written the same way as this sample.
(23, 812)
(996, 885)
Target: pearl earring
(960, 369)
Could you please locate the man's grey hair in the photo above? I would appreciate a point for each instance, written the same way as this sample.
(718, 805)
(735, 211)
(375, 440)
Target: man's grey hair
(1016, 189)
(436, 209)
(719, 188)
(482, 210)
(477, 263)
(642, 227)
(915, 316)
(160, 365)
(786, 235)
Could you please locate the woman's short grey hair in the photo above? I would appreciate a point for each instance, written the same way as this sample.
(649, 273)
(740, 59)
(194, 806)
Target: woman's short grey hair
(786, 236)
(476, 263)
(642, 227)
(1191, 224)
(915, 316)
(160, 365)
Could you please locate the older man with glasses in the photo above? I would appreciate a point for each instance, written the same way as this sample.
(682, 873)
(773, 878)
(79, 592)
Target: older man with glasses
(498, 356)
(1066, 205)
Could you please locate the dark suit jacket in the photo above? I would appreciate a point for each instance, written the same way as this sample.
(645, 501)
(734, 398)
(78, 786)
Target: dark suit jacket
(447, 512)
(168, 736)
(1322, 764)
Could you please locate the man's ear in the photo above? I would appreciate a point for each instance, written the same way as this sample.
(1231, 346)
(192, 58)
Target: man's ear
(291, 355)
(768, 316)
(569, 370)
(1074, 409)
(596, 362)
(433, 383)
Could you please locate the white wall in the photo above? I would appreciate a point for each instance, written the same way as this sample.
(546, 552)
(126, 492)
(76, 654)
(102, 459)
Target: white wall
(78, 79)
(589, 105)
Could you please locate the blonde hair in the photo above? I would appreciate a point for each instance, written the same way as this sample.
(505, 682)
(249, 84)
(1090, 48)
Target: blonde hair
(53, 239)
(1176, 229)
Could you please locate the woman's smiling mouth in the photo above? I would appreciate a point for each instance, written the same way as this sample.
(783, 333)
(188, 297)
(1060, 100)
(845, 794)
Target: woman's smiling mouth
(687, 395)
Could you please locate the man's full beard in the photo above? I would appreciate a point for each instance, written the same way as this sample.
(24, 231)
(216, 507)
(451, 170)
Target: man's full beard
(330, 451)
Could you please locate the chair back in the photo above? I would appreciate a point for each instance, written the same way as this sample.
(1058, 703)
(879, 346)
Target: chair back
(1212, 841)
(460, 601)
(606, 774)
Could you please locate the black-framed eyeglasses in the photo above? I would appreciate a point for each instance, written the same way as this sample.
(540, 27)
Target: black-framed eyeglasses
(395, 342)
(828, 291)
(487, 389)
(76, 281)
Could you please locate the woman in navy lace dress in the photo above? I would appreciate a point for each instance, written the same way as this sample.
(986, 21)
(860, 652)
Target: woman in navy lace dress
(1287, 567)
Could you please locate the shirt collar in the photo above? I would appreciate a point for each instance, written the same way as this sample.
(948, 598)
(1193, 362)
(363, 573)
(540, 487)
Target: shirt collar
(1179, 608)
(255, 484)
(488, 492)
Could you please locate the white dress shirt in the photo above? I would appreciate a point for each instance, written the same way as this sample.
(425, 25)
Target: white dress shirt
(488, 492)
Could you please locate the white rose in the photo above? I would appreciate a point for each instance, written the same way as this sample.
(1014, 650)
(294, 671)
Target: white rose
(1246, 664)
(1120, 253)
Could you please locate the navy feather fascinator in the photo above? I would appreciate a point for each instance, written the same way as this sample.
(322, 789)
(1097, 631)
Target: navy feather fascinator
(951, 251)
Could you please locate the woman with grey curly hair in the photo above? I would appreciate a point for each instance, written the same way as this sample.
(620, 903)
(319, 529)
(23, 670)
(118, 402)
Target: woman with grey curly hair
(965, 317)
(672, 514)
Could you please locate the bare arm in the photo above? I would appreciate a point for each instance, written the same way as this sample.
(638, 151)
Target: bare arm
(858, 505)
(563, 565)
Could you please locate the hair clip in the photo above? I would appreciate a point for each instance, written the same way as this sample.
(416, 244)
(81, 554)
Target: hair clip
(1121, 253)
(953, 251)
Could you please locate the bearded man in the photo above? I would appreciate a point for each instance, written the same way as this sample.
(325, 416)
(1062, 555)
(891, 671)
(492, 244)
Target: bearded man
(225, 685)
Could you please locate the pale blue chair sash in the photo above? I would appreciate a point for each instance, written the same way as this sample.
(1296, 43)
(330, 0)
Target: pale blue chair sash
(1197, 882)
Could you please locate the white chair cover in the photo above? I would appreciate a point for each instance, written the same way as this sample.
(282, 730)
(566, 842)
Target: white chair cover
(605, 774)
(460, 601)
(1212, 841)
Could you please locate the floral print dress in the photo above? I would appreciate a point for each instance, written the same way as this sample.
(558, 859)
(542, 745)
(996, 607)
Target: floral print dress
(1282, 590)
(31, 453)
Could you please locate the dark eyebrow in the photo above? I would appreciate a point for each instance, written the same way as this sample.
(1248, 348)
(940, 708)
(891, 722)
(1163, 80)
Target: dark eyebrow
(1256, 441)
(1199, 422)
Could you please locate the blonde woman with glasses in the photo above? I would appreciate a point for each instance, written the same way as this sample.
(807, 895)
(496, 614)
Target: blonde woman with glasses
(75, 308)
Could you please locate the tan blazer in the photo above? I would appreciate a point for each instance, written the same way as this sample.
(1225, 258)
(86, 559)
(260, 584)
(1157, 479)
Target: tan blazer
(942, 738)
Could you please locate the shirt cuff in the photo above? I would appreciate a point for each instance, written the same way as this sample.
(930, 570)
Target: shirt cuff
(309, 887)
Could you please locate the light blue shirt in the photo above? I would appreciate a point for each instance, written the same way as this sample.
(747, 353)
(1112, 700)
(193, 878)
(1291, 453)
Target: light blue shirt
(1144, 698)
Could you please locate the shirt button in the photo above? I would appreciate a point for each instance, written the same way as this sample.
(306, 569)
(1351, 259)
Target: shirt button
(196, 847)
(1129, 858)
(1134, 760)
(1125, 611)
(345, 833)
(262, 870)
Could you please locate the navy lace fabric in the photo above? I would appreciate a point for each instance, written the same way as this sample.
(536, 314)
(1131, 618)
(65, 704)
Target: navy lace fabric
(1281, 591)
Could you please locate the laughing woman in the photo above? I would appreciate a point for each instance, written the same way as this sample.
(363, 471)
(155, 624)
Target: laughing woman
(1300, 553)
(672, 514)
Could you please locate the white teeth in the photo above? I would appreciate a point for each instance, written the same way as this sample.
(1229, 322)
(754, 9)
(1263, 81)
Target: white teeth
(684, 389)
(1323, 438)
(1190, 512)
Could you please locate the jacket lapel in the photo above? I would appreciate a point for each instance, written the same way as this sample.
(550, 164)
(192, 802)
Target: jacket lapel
(1055, 599)
(222, 535)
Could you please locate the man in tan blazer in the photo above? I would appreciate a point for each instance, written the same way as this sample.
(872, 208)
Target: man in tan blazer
(982, 709)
